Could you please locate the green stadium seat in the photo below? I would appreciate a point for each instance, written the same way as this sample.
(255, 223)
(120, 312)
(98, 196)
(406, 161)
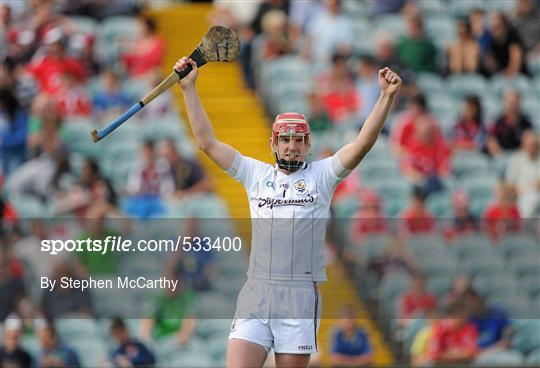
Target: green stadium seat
(217, 346)
(505, 6)
(29, 206)
(214, 305)
(190, 359)
(440, 204)
(526, 340)
(469, 164)
(501, 83)
(372, 247)
(391, 286)
(111, 30)
(516, 243)
(77, 328)
(506, 358)
(438, 266)
(491, 107)
(516, 304)
(467, 84)
(442, 103)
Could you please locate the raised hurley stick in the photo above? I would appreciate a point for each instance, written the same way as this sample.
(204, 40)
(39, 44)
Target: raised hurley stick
(218, 44)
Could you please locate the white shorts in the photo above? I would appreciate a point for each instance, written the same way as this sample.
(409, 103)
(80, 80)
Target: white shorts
(283, 315)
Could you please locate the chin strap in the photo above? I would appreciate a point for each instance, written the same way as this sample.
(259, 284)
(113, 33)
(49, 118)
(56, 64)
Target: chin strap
(289, 165)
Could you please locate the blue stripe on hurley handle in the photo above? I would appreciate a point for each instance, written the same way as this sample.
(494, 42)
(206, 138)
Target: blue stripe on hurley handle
(96, 136)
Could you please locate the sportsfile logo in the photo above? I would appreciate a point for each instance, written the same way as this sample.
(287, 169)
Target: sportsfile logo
(274, 202)
(305, 347)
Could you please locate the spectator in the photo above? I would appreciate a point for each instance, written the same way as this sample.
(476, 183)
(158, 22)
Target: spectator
(464, 53)
(420, 344)
(427, 159)
(416, 301)
(63, 301)
(302, 14)
(386, 7)
(505, 134)
(149, 51)
(11, 353)
(404, 129)
(492, 324)
(130, 352)
(460, 284)
(98, 263)
(463, 220)
(173, 317)
(350, 343)
(506, 53)
(274, 41)
(369, 219)
(53, 353)
(146, 184)
(49, 68)
(526, 23)
(188, 175)
(454, 338)
(82, 46)
(324, 43)
(502, 216)
(416, 50)
(318, 118)
(367, 84)
(111, 99)
(477, 19)
(416, 217)
(339, 95)
(523, 172)
(12, 287)
(195, 269)
(395, 258)
(72, 98)
(469, 132)
(13, 130)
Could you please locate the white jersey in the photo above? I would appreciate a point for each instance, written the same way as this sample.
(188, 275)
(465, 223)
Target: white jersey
(289, 214)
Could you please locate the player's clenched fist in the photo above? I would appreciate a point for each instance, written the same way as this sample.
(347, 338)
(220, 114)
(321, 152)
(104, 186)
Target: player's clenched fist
(389, 81)
(188, 80)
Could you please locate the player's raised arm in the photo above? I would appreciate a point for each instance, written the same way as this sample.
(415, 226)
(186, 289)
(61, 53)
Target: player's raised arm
(352, 153)
(222, 154)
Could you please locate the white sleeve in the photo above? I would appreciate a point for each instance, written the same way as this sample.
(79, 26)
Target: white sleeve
(330, 172)
(245, 169)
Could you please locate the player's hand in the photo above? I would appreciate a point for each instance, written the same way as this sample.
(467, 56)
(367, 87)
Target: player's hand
(188, 80)
(389, 81)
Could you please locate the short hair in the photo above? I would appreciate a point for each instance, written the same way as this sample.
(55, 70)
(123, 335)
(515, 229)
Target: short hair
(420, 100)
(149, 23)
(118, 324)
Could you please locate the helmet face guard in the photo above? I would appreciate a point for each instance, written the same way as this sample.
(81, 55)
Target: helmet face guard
(289, 126)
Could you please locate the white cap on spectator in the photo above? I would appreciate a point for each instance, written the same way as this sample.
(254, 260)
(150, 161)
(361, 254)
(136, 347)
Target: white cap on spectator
(53, 35)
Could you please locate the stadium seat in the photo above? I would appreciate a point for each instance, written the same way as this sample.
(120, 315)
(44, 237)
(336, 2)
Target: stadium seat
(91, 350)
(515, 243)
(429, 82)
(209, 327)
(466, 165)
(439, 204)
(411, 330)
(420, 243)
(533, 358)
(531, 284)
(443, 103)
(77, 328)
(441, 28)
(84, 24)
(523, 265)
(480, 190)
(485, 265)
(29, 206)
(461, 8)
(496, 284)
(470, 250)
(467, 84)
(506, 6)
(372, 247)
(526, 341)
(393, 24)
(491, 107)
(214, 305)
(515, 303)
(438, 266)
(390, 287)
(506, 358)
(189, 359)
(440, 284)
(111, 30)
(501, 83)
